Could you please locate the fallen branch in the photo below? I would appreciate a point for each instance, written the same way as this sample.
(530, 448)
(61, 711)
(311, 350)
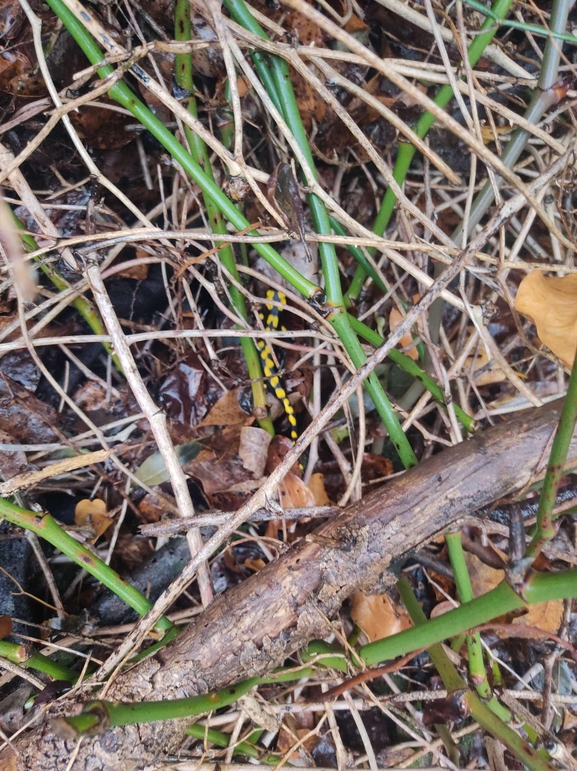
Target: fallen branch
(255, 626)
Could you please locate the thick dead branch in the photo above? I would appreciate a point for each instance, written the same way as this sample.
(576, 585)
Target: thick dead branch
(256, 625)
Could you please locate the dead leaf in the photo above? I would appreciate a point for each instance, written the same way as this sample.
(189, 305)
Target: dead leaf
(378, 616)
(442, 607)
(92, 514)
(227, 412)
(294, 493)
(544, 615)
(5, 626)
(395, 320)
(254, 564)
(551, 303)
(253, 449)
(485, 372)
(259, 713)
(293, 729)
(317, 487)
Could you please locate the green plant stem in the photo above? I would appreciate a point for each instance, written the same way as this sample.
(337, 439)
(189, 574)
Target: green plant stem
(19, 654)
(407, 364)
(407, 151)
(330, 265)
(98, 715)
(362, 260)
(534, 29)
(246, 747)
(503, 599)
(455, 684)
(545, 529)
(477, 670)
(48, 528)
(544, 97)
(183, 72)
(342, 326)
(84, 308)
(124, 96)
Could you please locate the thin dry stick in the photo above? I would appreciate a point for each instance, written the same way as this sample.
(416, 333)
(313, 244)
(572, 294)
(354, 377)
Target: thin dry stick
(268, 489)
(25, 674)
(492, 51)
(440, 114)
(352, 224)
(157, 420)
(32, 538)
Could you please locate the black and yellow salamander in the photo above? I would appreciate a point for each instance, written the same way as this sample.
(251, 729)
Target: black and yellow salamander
(270, 371)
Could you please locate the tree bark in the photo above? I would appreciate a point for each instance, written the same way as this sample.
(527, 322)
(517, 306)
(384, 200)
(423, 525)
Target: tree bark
(256, 625)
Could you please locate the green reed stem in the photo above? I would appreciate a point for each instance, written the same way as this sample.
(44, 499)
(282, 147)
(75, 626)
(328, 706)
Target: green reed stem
(84, 308)
(48, 528)
(183, 73)
(337, 315)
(407, 151)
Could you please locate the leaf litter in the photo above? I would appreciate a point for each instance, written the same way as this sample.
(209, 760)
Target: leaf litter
(524, 286)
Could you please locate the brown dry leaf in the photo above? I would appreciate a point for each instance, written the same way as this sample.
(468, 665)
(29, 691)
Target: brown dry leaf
(294, 728)
(395, 320)
(317, 487)
(355, 25)
(242, 86)
(309, 102)
(5, 626)
(294, 493)
(544, 615)
(488, 132)
(441, 608)
(227, 412)
(253, 449)
(102, 128)
(138, 272)
(254, 565)
(551, 303)
(92, 514)
(378, 616)
(486, 372)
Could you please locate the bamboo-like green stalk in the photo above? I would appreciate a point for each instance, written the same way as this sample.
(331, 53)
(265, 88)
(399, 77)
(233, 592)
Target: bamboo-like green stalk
(534, 29)
(125, 97)
(122, 94)
(409, 366)
(48, 528)
(337, 315)
(503, 599)
(99, 715)
(84, 308)
(544, 96)
(477, 670)
(183, 72)
(247, 747)
(454, 683)
(20, 654)
(407, 151)
(545, 528)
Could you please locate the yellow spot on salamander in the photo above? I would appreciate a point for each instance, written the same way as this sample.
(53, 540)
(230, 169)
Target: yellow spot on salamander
(269, 368)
